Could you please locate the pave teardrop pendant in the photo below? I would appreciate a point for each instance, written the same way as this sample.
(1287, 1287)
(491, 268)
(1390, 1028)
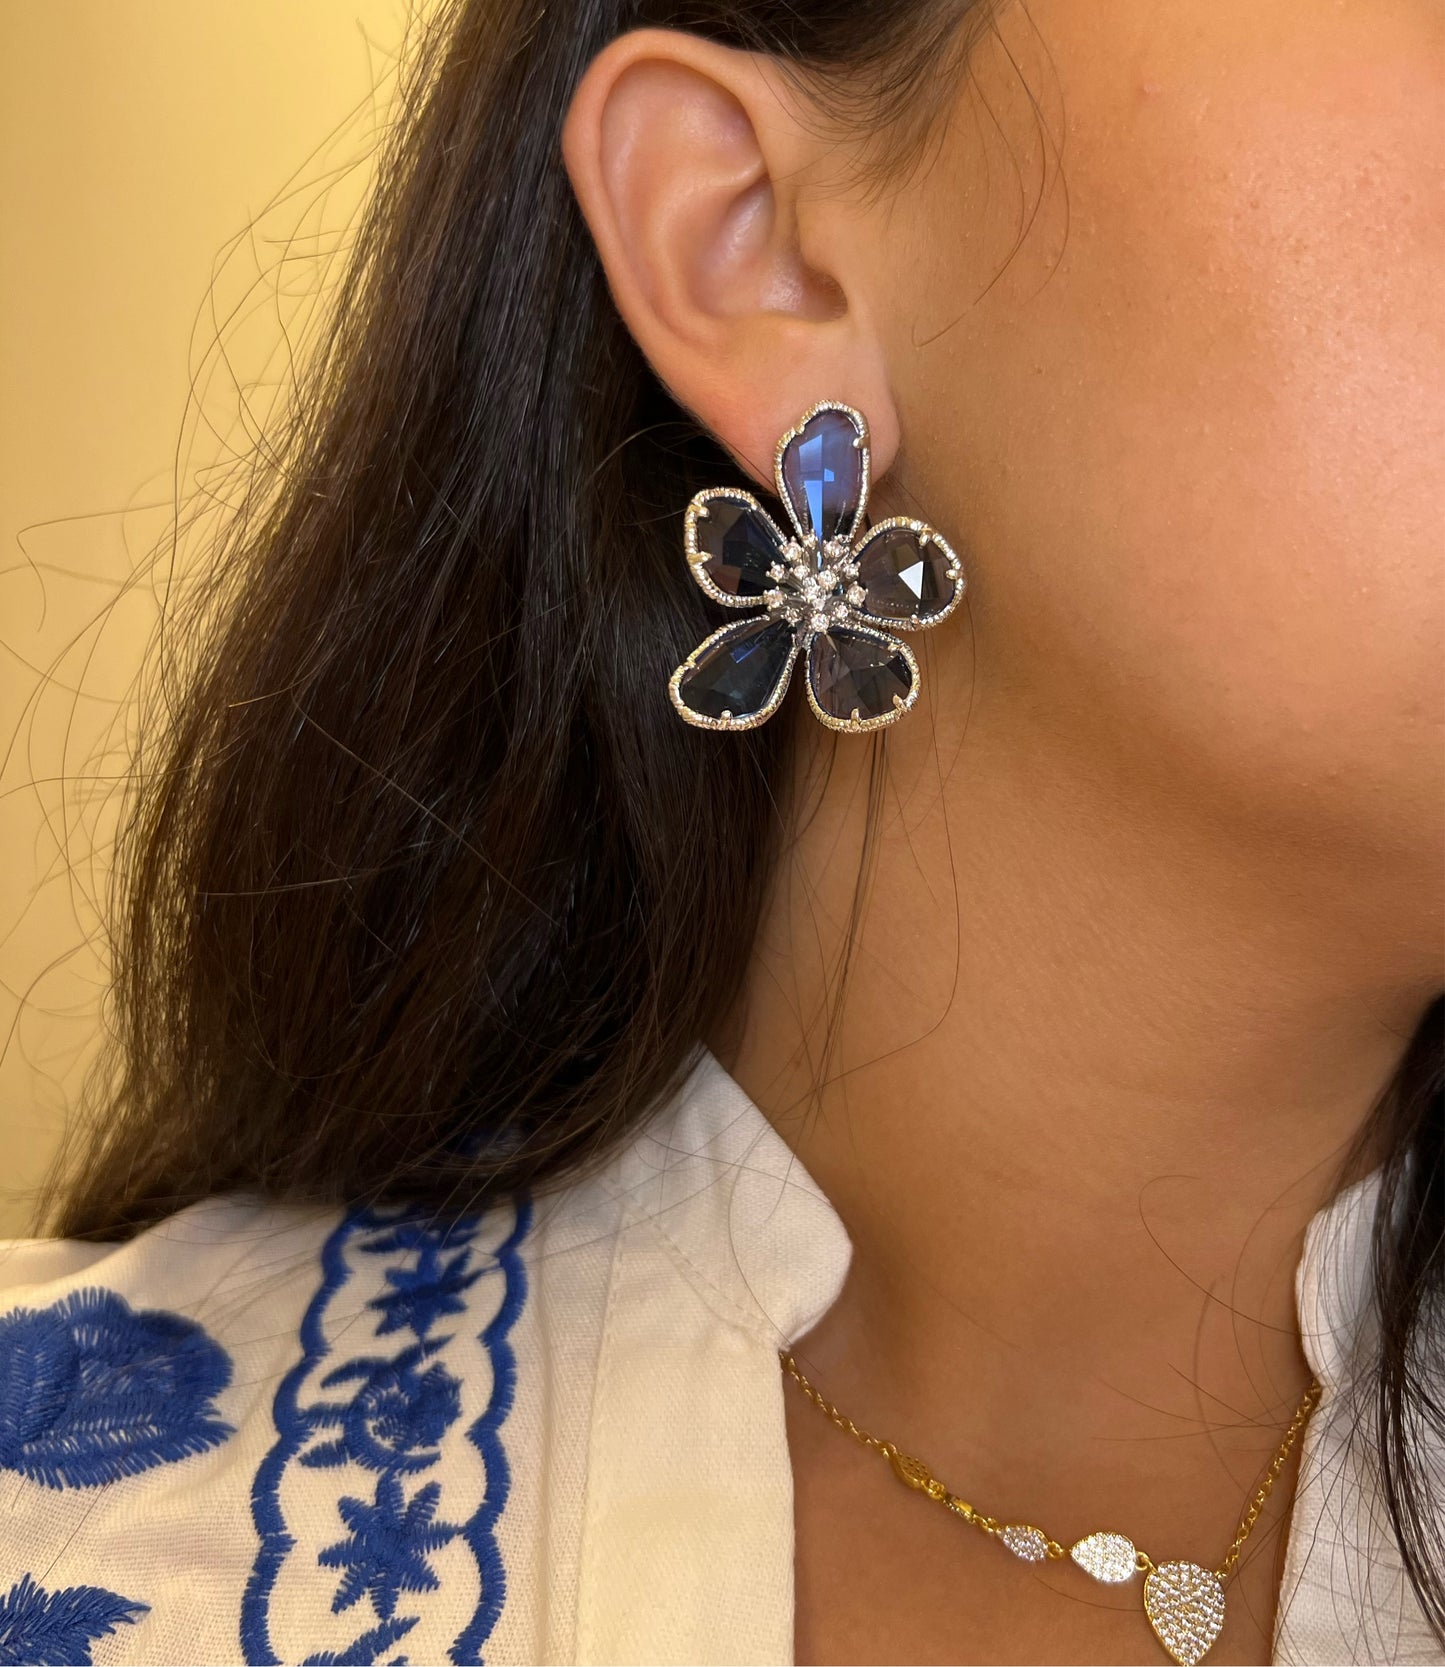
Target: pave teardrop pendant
(1185, 1606)
(1183, 1602)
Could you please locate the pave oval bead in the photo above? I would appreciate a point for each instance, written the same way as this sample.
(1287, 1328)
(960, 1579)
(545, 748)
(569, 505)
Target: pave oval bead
(1111, 1558)
(1025, 1541)
(737, 677)
(910, 1470)
(905, 576)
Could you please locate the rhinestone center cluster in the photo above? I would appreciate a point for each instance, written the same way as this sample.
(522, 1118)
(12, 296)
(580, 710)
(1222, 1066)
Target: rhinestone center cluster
(816, 585)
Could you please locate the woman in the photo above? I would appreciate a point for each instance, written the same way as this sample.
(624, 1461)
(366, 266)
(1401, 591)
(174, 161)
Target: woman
(537, 1096)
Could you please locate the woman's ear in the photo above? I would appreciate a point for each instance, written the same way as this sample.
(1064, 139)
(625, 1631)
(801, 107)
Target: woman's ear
(692, 164)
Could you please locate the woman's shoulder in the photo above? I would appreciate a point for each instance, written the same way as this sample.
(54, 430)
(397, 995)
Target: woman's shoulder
(304, 1405)
(369, 1433)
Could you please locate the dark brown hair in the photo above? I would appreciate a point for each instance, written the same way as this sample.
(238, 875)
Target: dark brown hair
(428, 894)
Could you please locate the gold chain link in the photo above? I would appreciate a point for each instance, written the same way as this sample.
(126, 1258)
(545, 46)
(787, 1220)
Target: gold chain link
(915, 1474)
(1256, 1505)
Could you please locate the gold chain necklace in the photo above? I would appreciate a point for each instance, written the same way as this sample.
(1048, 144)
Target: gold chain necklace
(1184, 1603)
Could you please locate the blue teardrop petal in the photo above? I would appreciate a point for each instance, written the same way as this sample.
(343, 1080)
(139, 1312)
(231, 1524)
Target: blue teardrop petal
(822, 474)
(902, 578)
(853, 672)
(740, 673)
(740, 543)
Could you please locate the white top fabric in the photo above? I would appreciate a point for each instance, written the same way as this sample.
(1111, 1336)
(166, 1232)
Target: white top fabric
(554, 1433)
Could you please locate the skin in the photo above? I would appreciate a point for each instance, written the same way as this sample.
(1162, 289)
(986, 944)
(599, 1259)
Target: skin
(1154, 900)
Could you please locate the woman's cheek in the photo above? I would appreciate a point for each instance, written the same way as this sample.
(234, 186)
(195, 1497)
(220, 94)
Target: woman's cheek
(1195, 442)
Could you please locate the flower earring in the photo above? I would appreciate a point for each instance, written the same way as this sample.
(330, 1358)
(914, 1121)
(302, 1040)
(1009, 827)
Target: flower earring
(832, 593)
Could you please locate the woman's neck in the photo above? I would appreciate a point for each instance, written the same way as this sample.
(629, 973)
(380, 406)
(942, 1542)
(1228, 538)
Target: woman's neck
(1100, 1054)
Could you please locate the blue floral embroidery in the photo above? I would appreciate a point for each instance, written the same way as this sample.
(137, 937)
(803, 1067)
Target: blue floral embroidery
(56, 1629)
(486, 1433)
(395, 1418)
(363, 1651)
(422, 1295)
(401, 1417)
(92, 1389)
(387, 1552)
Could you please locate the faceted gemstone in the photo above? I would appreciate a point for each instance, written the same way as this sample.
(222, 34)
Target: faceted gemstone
(855, 671)
(902, 577)
(740, 543)
(740, 670)
(823, 473)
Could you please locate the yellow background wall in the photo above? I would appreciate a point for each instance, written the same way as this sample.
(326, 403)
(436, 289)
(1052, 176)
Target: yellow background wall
(139, 140)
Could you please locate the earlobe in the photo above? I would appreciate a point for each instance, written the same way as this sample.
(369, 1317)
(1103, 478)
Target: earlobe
(690, 162)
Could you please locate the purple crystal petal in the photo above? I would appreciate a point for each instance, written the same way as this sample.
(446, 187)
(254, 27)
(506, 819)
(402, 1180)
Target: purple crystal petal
(740, 673)
(902, 577)
(857, 672)
(740, 543)
(822, 474)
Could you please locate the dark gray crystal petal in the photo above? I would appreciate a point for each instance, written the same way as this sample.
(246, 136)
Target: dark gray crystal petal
(853, 672)
(823, 473)
(741, 670)
(901, 578)
(740, 544)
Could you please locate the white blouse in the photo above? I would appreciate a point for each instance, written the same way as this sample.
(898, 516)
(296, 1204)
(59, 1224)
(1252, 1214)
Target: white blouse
(554, 1433)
